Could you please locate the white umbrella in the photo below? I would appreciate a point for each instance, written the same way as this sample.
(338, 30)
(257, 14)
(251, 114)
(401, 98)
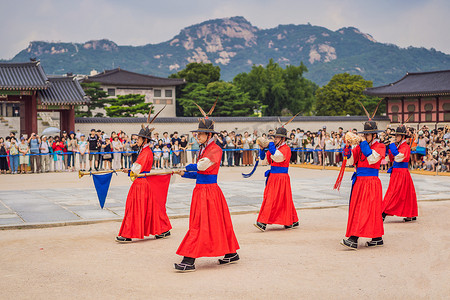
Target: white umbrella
(50, 131)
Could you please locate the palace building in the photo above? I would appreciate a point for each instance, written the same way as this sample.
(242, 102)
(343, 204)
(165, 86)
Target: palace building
(25, 90)
(422, 97)
(157, 90)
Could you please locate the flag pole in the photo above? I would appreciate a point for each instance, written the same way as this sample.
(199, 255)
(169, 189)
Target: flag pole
(81, 173)
(133, 176)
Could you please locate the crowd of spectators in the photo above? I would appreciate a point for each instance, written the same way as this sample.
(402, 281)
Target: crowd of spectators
(99, 151)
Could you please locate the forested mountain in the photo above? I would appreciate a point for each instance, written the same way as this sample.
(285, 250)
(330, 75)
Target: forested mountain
(235, 45)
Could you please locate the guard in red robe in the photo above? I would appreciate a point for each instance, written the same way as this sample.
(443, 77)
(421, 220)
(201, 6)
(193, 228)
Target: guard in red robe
(210, 231)
(145, 212)
(365, 208)
(400, 199)
(278, 206)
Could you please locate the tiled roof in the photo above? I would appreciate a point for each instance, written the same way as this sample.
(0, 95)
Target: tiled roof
(230, 119)
(63, 90)
(414, 85)
(126, 78)
(22, 76)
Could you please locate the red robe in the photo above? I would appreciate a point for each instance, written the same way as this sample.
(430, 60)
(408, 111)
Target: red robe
(145, 213)
(278, 206)
(210, 231)
(400, 199)
(365, 210)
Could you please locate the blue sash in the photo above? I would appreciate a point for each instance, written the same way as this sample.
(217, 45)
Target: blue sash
(398, 165)
(275, 170)
(364, 172)
(206, 178)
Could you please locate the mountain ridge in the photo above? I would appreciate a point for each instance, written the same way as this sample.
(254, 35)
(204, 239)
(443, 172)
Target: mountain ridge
(236, 45)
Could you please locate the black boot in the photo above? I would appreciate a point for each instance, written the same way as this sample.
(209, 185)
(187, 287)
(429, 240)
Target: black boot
(351, 242)
(409, 219)
(384, 216)
(163, 235)
(260, 226)
(186, 265)
(295, 224)
(121, 239)
(229, 259)
(375, 242)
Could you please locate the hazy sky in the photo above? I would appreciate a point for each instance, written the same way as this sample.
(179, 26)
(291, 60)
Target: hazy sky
(138, 22)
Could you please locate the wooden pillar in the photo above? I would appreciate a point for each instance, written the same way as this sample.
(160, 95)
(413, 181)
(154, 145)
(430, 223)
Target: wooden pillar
(437, 111)
(420, 111)
(403, 110)
(71, 120)
(33, 114)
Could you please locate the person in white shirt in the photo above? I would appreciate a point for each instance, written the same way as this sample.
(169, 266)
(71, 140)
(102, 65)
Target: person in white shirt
(45, 157)
(83, 149)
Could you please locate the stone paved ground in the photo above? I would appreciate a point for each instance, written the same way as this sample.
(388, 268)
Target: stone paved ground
(63, 201)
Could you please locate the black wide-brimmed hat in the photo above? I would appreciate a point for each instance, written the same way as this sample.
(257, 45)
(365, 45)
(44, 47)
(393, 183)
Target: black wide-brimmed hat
(205, 124)
(401, 130)
(370, 127)
(281, 132)
(145, 131)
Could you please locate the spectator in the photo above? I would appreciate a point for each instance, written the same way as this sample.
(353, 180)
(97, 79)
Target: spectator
(3, 161)
(134, 148)
(14, 155)
(72, 148)
(194, 147)
(83, 150)
(24, 159)
(165, 156)
(107, 157)
(176, 154)
(127, 155)
(157, 156)
(292, 144)
(220, 141)
(247, 145)
(429, 162)
(44, 148)
(35, 160)
(329, 148)
(53, 157)
(230, 139)
(183, 148)
(64, 157)
(58, 148)
(94, 144)
(117, 147)
(238, 152)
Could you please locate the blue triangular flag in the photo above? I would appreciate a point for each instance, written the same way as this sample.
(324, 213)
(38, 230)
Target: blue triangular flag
(101, 183)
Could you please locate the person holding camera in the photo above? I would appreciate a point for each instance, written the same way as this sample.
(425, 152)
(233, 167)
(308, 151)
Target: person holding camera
(35, 160)
(400, 199)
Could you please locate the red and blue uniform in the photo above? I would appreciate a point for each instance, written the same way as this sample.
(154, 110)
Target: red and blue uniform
(400, 199)
(278, 206)
(210, 231)
(145, 211)
(365, 209)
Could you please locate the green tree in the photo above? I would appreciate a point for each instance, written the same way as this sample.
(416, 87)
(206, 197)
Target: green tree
(97, 96)
(230, 100)
(194, 73)
(199, 73)
(342, 94)
(127, 106)
(278, 89)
